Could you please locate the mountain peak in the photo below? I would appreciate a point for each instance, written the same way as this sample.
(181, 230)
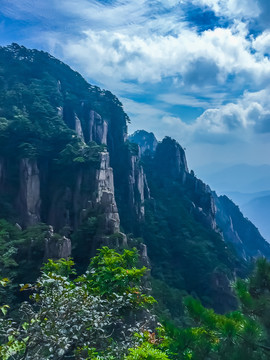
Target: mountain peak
(170, 158)
(146, 140)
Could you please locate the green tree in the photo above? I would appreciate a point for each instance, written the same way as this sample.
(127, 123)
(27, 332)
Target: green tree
(74, 316)
(239, 335)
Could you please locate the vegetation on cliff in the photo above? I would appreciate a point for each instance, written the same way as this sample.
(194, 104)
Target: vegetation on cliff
(104, 315)
(65, 161)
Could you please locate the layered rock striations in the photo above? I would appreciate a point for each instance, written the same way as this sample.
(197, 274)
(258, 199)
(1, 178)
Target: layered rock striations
(105, 196)
(29, 192)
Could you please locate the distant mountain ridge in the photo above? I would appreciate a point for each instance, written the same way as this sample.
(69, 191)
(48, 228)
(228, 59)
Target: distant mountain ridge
(247, 185)
(226, 216)
(258, 210)
(243, 178)
(71, 166)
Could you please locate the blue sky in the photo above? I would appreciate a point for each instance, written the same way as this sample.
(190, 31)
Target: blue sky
(197, 70)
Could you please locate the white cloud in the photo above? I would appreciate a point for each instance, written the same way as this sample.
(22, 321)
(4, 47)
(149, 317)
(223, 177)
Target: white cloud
(127, 46)
(150, 58)
(231, 8)
(147, 41)
(243, 120)
(262, 43)
(183, 99)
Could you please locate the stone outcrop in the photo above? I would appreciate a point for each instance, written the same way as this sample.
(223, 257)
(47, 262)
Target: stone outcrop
(147, 142)
(221, 291)
(56, 248)
(60, 213)
(29, 192)
(98, 128)
(78, 127)
(105, 195)
(170, 159)
(203, 203)
(238, 230)
(87, 123)
(138, 187)
(92, 192)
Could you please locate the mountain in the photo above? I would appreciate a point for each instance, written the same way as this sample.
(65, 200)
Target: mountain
(256, 207)
(147, 141)
(258, 210)
(242, 178)
(248, 186)
(224, 214)
(71, 181)
(239, 230)
(243, 198)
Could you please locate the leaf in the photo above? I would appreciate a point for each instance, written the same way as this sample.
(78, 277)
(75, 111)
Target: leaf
(24, 287)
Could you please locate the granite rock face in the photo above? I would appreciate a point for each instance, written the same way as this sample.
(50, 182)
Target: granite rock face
(221, 291)
(97, 127)
(29, 192)
(87, 123)
(239, 231)
(170, 159)
(92, 190)
(203, 204)
(138, 188)
(170, 162)
(147, 141)
(105, 195)
(56, 248)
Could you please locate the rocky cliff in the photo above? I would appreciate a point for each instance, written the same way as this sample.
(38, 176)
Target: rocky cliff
(71, 166)
(29, 192)
(217, 212)
(61, 176)
(239, 231)
(147, 141)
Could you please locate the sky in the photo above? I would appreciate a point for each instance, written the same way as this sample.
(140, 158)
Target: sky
(195, 70)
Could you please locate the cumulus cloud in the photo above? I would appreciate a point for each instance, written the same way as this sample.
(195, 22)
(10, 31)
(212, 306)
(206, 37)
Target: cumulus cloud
(239, 121)
(231, 8)
(144, 41)
(262, 43)
(139, 47)
(199, 59)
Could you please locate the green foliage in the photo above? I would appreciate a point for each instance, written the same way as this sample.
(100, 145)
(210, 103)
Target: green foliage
(112, 273)
(21, 256)
(132, 147)
(8, 248)
(78, 153)
(79, 316)
(146, 352)
(253, 294)
(237, 335)
(61, 267)
(185, 253)
(95, 316)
